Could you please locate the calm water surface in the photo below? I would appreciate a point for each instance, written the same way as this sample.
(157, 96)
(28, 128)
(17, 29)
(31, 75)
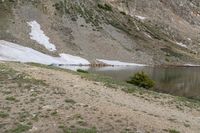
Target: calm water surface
(180, 81)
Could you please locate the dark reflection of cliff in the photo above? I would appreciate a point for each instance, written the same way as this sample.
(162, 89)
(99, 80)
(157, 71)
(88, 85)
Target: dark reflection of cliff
(179, 81)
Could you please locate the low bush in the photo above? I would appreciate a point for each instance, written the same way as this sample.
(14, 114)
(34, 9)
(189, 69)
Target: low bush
(105, 7)
(3, 114)
(141, 79)
(82, 71)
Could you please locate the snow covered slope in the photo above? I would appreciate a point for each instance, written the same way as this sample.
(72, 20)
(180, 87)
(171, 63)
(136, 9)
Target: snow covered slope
(38, 35)
(14, 52)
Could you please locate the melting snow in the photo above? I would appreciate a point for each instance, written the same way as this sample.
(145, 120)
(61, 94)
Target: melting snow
(149, 36)
(74, 59)
(14, 52)
(192, 65)
(118, 63)
(181, 44)
(38, 35)
(140, 17)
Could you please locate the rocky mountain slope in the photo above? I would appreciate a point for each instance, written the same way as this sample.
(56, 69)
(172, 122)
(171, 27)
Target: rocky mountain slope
(142, 31)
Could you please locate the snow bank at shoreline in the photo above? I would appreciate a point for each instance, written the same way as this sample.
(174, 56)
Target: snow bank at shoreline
(118, 63)
(14, 52)
(191, 65)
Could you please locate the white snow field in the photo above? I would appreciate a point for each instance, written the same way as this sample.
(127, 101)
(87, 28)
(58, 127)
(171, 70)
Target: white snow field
(14, 52)
(118, 63)
(38, 35)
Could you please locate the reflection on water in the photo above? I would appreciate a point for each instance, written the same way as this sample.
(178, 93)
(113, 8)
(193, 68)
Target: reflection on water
(181, 81)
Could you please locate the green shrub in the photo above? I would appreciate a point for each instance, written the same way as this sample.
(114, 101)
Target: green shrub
(80, 130)
(82, 71)
(141, 79)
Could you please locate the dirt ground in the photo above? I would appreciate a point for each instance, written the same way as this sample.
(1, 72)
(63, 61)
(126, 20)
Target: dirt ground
(53, 101)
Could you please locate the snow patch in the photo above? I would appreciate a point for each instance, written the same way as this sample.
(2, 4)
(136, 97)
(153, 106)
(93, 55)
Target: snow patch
(74, 59)
(191, 65)
(118, 63)
(38, 35)
(14, 52)
(140, 17)
(181, 44)
(111, 68)
(146, 34)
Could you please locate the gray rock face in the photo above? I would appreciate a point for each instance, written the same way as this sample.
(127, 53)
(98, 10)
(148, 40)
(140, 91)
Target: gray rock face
(141, 31)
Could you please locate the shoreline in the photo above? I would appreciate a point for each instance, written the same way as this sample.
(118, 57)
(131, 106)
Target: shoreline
(71, 101)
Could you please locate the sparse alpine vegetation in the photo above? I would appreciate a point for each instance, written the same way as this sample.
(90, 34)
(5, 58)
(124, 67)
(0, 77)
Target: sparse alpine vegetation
(82, 71)
(78, 101)
(105, 7)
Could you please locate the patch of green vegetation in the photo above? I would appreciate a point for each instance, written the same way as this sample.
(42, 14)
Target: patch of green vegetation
(108, 81)
(173, 131)
(171, 52)
(54, 113)
(60, 6)
(5, 14)
(82, 71)
(11, 98)
(23, 116)
(183, 101)
(82, 123)
(8, 74)
(78, 116)
(119, 26)
(3, 114)
(105, 7)
(167, 59)
(35, 118)
(186, 125)
(141, 79)
(80, 130)
(74, 10)
(24, 78)
(70, 101)
(20, 128)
